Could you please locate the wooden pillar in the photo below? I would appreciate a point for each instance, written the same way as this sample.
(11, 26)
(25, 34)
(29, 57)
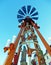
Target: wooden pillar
(11, 54)
(48, 48)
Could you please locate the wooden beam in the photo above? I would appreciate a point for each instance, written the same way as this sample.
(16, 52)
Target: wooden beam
(11, 54)
(48, 48)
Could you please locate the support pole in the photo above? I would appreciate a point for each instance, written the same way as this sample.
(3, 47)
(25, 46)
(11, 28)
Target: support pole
(11, 55)
(16, 57)
(48, 48)
(44, 42)
(39, 53)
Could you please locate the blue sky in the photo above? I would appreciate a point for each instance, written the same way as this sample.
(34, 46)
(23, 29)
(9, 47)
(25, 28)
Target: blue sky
(9, 22)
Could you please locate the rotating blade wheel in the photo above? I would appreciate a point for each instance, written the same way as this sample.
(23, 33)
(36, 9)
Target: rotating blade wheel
(27, 11)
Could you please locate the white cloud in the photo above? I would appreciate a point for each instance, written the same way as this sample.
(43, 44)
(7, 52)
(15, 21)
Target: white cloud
(8, 42)
(13, 39)
(49, 38)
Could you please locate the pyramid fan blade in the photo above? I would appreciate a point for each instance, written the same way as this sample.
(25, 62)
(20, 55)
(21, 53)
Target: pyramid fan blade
(20, 20)
(20, 12)
(24, 9)
(28, 8)
(33, 9)
(26, 13)
(35, 18)
(35, 14)
(19, 16)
